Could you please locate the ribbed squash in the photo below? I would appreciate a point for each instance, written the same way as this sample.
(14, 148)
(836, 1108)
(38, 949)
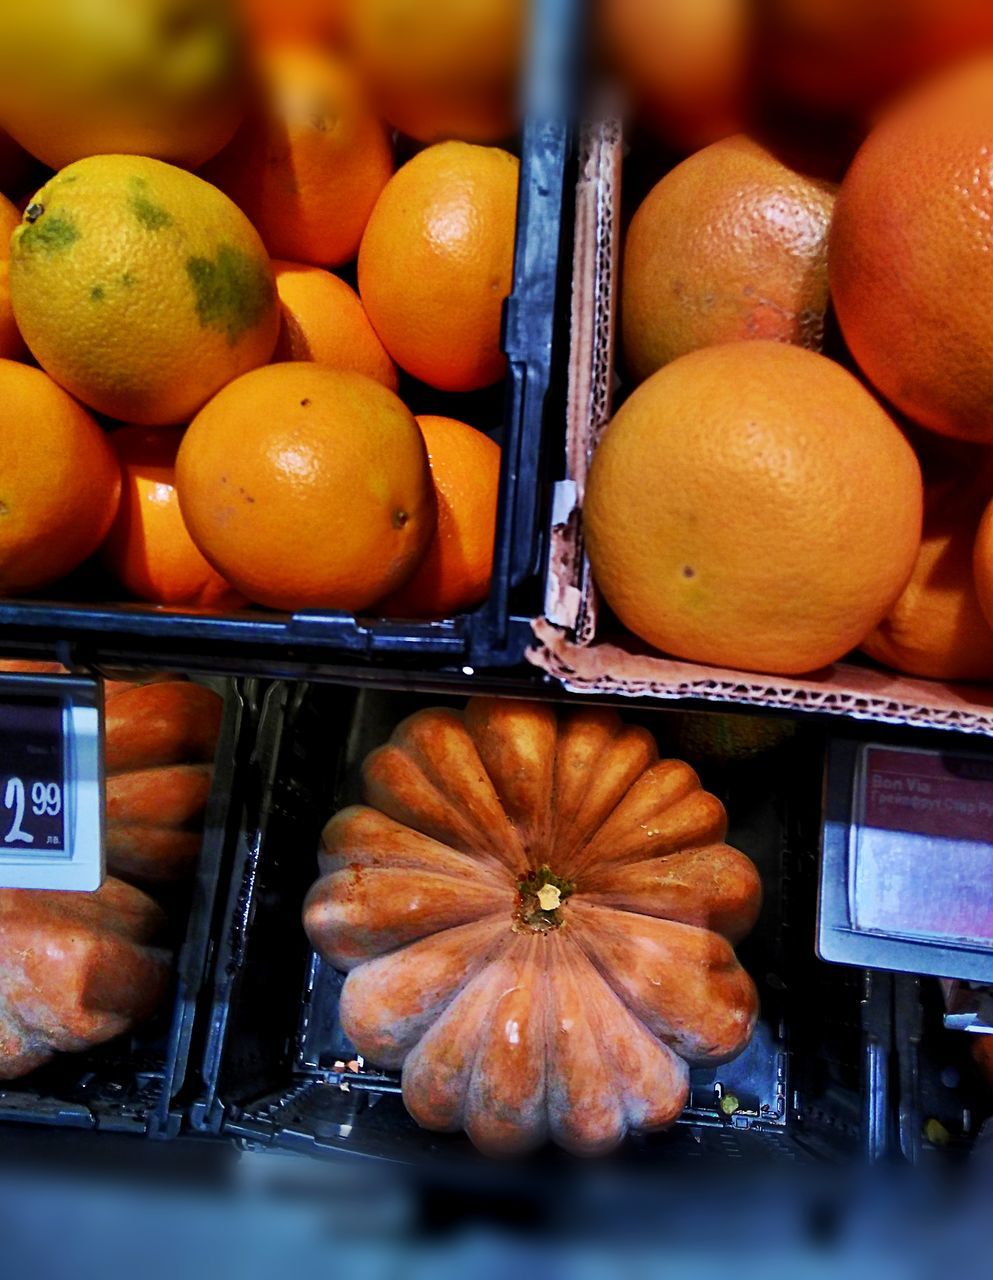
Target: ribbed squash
(159, 762)
(76, 969)
(537, 917)
(161, 737)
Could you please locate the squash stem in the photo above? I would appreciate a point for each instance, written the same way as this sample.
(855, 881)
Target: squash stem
(540, 896)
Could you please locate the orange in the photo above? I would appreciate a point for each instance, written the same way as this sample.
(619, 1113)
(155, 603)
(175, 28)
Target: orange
(159, 78)
(443, 69)
(455, 572)
(911, 255)
(752, 505)
(11, 342)
(731, 244)
(148, 549)
(296, 21)
(684, 64)
(937, 628)
(437, 260)
(850, 55)
(307, 488)
(310, 160)
(141, 288)
(59, 481)
(324, 321)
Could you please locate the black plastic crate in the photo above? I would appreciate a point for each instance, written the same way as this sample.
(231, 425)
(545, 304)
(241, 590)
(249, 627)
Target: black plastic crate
(138, 1083)
(277, 1063)
(943, 1105)
(316, 643)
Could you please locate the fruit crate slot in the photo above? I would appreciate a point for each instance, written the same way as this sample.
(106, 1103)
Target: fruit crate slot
(523, 414)
(277, 1069)
(137, 1084)
(577, 640)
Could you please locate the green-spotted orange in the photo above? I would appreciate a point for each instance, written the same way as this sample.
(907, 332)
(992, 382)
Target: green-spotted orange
(141, 288)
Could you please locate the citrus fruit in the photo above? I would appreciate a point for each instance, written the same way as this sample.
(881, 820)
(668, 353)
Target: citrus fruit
(59, 480)
(911, 255)
(148, 549)
(90, 77)
(436, 263)
(455, 572)
(307, 487)
(310, 160)
(11, 343)
(324, 321)
(141, 288)
(731, 244)
(851, 55)
(447, 69)
(718, 741)
(751, 505)
(937, 628)
(684, 64)
(316, 22)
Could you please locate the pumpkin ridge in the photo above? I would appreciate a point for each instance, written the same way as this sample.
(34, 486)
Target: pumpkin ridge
(512, 1053)
(588, 769)
(498, 841)
(716, 876)
(516, 741)
(139, 797)
(695, 819)
(357, 913)
(611, 1039)
(353, 833)
(642, 801)
(672, 1028)
(153, 853)
(395, 783)
(394, 988)
(570, 961)
(428, 1077)
(111, 981)
(463, 1119)
(576, 937)
(159, 724)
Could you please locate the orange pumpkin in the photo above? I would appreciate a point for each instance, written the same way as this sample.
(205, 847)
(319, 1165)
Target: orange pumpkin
(161, 736)
(76, 969)
(537, 917)
(159, 762)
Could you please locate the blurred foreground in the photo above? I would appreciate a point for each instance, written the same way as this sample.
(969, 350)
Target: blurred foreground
(109, 1210)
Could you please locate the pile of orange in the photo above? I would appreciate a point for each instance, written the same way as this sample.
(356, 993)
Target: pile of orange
(250, 252)
(189, 388)
(753, 504)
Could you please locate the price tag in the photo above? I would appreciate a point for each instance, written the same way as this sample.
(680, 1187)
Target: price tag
(51, 782)
(907, 860)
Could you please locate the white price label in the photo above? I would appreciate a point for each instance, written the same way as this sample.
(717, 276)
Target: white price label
(51, 782)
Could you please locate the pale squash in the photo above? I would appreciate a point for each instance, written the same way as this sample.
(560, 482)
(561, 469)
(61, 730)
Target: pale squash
(537, 917)
(76, 969)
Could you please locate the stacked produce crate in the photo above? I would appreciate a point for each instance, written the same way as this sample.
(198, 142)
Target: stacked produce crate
(550, 444)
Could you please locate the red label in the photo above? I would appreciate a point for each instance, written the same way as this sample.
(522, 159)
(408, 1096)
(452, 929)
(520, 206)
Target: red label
(924, 851)
(929, 794)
